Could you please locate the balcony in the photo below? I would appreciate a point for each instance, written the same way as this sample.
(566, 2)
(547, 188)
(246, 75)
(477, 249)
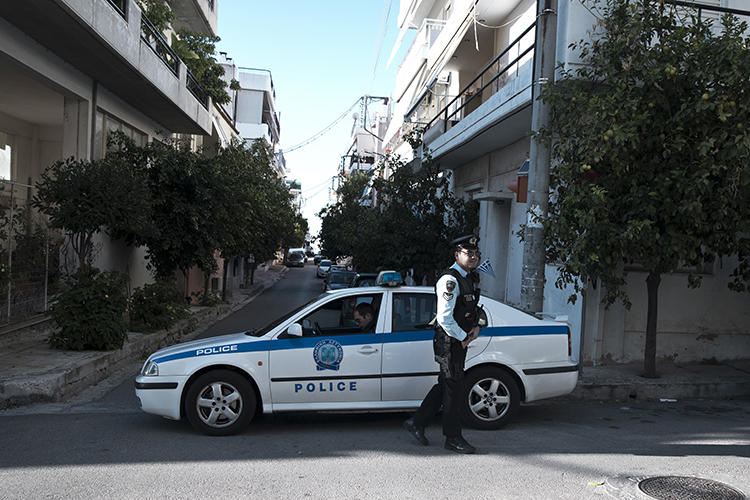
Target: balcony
(418, 53)
(195, 15)
(112, 43)
(491, 111)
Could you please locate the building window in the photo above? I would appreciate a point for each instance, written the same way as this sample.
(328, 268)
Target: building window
(5, 152)
(106, 122)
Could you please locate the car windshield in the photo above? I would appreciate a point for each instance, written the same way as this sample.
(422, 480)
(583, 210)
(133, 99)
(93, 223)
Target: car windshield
(262, 331)
(341, 277)
(325, 263)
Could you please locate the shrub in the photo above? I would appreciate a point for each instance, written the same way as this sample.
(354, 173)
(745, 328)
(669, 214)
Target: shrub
(156, 306)
(91, 314)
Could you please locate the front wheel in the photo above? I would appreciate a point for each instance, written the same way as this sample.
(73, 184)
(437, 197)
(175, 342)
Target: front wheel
(491, 398)
(220, 403)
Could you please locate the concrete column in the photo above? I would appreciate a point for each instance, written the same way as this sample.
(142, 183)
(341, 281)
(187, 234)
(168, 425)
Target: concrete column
(76, 129)
(494, 232)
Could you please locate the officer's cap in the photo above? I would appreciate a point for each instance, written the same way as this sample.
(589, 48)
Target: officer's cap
(468, 242)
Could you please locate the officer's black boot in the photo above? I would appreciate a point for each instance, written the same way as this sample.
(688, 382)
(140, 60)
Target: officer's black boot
(416, 431)
(459, 445)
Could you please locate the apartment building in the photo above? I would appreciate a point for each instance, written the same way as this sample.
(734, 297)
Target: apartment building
(73, 71)
(467, 80)
(252, 107)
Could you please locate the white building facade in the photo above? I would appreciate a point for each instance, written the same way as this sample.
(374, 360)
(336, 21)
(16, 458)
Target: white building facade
(467, 81)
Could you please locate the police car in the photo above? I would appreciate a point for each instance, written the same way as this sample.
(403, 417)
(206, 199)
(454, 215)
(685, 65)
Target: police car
(317, 359)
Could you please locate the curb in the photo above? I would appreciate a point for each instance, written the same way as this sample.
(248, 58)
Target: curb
(628, 391)
(83, 369)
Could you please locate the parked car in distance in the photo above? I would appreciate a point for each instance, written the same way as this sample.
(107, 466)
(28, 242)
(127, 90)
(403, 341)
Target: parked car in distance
(295, 259)
(316, 358)
(323, 267)
(318, 257)
(338, 279)
(364, 279)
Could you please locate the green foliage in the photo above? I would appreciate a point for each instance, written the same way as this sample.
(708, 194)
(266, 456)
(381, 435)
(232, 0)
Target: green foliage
(415, 218)
(80, 198)
(206, 298)
(91, 314)
(158, 12)
(651, 148)
(156, 306)
(197, 52)
(181, 231)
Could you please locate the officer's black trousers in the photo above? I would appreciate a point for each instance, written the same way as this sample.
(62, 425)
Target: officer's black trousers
(450, 355)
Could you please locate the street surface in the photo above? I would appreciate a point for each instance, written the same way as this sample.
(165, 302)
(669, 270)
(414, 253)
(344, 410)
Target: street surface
(102, 446)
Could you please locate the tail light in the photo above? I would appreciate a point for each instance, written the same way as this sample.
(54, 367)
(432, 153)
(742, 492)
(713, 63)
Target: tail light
(570, 347)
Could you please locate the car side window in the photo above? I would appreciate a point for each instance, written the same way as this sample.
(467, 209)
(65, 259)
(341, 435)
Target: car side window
(337, 316)
(413, 311)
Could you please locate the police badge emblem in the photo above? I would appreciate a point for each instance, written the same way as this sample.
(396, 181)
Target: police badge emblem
(328, 355)
(450, 286)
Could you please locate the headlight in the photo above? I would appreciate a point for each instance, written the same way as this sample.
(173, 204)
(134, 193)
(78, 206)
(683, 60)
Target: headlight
(150, 369)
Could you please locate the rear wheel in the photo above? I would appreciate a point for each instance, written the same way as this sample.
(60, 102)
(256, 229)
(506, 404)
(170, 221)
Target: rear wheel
(491, 398)
(220, 403)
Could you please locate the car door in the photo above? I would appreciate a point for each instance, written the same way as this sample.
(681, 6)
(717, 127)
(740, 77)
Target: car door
(333, 363)
(409, 366)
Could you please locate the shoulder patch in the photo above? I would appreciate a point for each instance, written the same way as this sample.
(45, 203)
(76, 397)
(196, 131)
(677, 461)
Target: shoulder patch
(447, 296)
(450, 286)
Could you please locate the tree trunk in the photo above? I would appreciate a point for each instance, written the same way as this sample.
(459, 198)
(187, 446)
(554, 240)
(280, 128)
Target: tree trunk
(224, 280)
(649, 352)
(206, 282)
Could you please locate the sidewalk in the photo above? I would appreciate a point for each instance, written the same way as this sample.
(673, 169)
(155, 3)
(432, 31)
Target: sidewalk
(32, 372)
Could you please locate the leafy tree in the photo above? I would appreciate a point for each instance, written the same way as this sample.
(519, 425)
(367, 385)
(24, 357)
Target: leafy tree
(651, 148)
(197, 51)
(158, 12)
(254, 212)
(80, 198)
(415, 219)
(183, 208)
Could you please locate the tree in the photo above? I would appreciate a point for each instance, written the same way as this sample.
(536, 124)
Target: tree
(416, 218)
(80, 198)
(183, 208)
(651, 152)
(254, 212)
(197, 52)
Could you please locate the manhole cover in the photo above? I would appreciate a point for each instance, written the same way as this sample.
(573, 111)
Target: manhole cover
(688, 488)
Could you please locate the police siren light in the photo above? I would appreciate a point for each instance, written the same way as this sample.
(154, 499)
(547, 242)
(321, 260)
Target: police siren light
(389, 278)
(486, 268)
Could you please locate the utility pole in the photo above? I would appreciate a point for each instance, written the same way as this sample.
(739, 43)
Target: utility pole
(532, 277)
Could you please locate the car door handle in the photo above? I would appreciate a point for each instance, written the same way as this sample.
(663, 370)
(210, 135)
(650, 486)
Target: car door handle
(367, 349)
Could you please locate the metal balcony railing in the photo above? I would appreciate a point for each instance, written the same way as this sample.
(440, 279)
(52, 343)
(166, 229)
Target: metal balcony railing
(159, 45)
(486, 78)
(197, 91)
(119, 6)
(699, 8)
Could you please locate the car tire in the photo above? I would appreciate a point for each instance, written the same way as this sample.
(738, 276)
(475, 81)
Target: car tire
(220, 403)
(491, 398)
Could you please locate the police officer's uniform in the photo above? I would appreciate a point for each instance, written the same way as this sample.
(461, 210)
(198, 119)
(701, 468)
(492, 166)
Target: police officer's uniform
(457, 314)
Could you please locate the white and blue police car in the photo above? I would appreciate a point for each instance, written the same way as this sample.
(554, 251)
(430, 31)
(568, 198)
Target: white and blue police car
(316, 358)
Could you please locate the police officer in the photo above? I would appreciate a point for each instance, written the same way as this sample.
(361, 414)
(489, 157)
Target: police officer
(456, 326)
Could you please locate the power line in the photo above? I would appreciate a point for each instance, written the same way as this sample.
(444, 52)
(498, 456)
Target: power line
(326, 129)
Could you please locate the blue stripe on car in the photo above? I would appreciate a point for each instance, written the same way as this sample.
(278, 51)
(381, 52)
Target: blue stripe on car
(357, 339)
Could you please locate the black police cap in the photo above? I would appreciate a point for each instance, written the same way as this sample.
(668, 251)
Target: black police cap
(468, 242)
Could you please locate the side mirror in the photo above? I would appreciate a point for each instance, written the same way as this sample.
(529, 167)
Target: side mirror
(294, 330)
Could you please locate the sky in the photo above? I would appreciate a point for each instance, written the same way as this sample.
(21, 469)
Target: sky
(322, 56)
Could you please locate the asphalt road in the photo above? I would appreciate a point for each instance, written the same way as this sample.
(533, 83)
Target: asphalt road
(102, 446)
